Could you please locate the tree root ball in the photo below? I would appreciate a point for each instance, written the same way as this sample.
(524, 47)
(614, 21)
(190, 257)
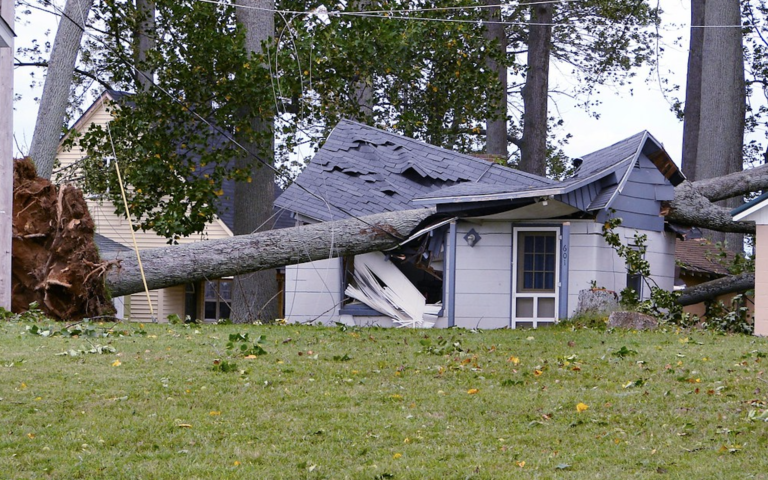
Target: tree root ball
(55, 262)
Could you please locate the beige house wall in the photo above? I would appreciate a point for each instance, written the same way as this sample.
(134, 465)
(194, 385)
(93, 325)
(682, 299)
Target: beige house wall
(761, 280)
(165, 301)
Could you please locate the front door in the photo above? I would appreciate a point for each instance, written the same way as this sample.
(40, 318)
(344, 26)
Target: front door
(535, 277)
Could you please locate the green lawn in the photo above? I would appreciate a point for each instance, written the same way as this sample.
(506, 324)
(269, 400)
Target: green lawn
(376, 404)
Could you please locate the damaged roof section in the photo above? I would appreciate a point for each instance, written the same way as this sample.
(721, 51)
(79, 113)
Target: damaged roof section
(364, 171)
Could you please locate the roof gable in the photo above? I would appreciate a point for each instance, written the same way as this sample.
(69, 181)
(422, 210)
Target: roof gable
(594, 186)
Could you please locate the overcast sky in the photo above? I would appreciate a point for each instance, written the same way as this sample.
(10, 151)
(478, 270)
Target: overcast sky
(624, 110)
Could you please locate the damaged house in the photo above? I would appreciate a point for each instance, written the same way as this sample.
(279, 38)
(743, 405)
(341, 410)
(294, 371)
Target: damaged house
(513, 251)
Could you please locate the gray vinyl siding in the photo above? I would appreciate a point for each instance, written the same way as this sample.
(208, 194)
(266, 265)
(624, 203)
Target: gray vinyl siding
(313, 291)
(638, 203)
(483, 276)
(581, 198)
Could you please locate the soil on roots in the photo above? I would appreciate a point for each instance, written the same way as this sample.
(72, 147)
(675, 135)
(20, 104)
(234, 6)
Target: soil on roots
(55, 261)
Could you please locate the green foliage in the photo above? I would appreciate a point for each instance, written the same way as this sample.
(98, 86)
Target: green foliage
(173, 142)
(240, 344)
(624, 352)
(424, 65)
(224, 366)
(443, 346)
(734, 318)
(663, 305)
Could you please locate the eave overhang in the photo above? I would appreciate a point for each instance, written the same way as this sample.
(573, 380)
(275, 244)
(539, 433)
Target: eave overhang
(6, 34)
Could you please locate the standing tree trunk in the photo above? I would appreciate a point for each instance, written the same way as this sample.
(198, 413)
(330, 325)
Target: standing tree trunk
(533, 152)
(55, 98)
(254, 295)
(144, 41)
(496, 126)
(692, 112)
(723, 102)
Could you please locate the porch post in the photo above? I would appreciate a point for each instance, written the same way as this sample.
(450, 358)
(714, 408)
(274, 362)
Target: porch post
(565, 245)
(450, 302)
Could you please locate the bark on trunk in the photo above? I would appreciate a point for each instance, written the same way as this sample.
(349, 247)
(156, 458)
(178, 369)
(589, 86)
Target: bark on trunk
(692, 112)
(715, 288)
(691, 207)
(362, 91)
(254, 296)
(264, 251)
(144, 42)
(55, 98)
(723, 101)
(535, 94)
(496, 126)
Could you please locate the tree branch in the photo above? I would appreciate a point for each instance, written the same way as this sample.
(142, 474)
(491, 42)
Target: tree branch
(691, 207)
(78, 71)
(734, 184)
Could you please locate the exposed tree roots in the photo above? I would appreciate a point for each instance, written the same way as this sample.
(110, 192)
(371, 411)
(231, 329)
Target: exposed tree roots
(55, 261)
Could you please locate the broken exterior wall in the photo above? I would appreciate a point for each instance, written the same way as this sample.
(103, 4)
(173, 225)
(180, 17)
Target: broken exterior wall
(313, 292)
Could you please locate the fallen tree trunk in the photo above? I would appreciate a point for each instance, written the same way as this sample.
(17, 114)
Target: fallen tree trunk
(711, 290)
(177, 265)
(194, 262)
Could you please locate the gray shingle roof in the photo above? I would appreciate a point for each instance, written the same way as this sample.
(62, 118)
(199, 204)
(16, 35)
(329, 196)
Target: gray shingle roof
(618, 158)
(361, 170)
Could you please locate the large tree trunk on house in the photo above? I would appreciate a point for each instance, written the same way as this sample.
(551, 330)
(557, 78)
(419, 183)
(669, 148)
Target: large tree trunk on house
(254, 295)
(195, 262)
(55, 98)
(496, 142)
(533, 153)
(722, 103)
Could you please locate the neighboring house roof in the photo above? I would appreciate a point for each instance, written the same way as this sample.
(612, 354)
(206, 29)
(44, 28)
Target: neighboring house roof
(700, 258)
(743, 212)
(108, 248)
(361, 170)
(6, 34)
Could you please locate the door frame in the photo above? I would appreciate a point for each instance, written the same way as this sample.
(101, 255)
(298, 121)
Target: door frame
(514, 295)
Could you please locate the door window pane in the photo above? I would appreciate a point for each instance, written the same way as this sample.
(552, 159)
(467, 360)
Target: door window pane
(524, 307)
(537, 261)
(546, 308)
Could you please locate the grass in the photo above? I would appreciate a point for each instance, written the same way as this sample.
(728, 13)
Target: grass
(341, 403)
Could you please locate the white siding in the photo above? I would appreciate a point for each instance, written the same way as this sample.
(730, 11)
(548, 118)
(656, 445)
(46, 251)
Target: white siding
(313, 291)
(483, 276)
(592, 259)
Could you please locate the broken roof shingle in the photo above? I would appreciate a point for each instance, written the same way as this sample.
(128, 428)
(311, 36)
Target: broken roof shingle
(388, 171)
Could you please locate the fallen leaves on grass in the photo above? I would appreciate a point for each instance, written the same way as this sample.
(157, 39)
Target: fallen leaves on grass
(117, 363)
(581, 407)
(473, 391)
